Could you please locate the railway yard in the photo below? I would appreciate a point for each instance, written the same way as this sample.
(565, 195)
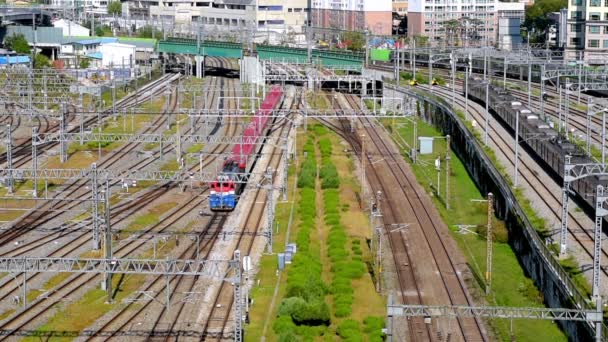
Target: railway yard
(286, 200)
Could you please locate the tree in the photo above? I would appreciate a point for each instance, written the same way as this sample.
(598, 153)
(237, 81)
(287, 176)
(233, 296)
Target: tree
(536, 15)
(115, 7)
(149, 32)
(17, 43)
(41, 61)
(356, 40)
(452, 27)
(84, 63)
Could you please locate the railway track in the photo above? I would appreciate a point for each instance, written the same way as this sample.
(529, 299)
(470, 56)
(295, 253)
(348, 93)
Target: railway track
(22, 150)
(527, 167)
(190, 206)
(425, 239)
(75, 189)
(216, 325)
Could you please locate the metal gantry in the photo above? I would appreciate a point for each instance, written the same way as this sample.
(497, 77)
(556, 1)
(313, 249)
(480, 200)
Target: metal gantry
(110, 174)
(493, 312)
(206, 268)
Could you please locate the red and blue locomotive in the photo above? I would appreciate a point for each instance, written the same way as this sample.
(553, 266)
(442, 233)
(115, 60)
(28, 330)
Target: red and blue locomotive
(224, 191)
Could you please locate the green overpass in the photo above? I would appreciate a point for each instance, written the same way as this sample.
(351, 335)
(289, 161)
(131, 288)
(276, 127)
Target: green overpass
(265, 52)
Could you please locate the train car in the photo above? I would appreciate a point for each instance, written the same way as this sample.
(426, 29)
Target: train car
(224, 191)
(549, 145)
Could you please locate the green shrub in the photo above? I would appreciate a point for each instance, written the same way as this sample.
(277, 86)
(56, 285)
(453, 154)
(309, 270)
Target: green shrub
(288, 336)
(319, 130)
(283, 324)
(314, 312)
(373, 323)
(325, 148)
(349, 329)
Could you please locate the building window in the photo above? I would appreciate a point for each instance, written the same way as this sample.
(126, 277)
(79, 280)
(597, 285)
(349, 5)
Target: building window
(577, 2)
(575, 41)
(275, 22)
(595, 3)
(593, 43)
(605, 44)
(576, 15)
(575, 27)
(594, 29)
(594, 16)
(605, 3)
(270, 8)
(605, 29)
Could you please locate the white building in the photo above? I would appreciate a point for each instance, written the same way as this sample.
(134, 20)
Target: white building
(117, 54)
(587, 30)
(71, 29)
(479, 19)
(267, 15)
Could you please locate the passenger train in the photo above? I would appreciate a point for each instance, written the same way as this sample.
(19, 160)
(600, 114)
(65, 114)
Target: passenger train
(224, 191)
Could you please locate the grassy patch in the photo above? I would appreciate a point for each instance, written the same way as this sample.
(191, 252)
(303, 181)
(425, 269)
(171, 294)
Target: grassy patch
(151, 218)
(317, 102)
(195, 148)
(78, 315)
(511, 287)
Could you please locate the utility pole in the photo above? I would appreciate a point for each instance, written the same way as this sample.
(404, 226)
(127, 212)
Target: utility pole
(35, 159)
(363, 165)
(431, 72)
(108, 240)
(489, 233)
(447, 173)
(487, 114)
(9, 158)
(516, 175)
(600, 213)
(379, 260)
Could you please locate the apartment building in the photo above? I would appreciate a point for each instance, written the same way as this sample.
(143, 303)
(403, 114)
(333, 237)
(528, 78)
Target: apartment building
(267, 15)
(353, 15)
(478, 20)
(400, 7)
(588, 31)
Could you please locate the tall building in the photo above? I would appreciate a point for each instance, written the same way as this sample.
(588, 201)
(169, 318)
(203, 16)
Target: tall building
(272, 16)
(478, 20)
(587, 30)
(353, 15)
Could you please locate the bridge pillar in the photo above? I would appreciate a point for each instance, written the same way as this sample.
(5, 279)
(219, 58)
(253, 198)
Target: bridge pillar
(200, 64)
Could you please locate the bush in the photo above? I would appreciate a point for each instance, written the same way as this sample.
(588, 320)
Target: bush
(17, 43)
(319, 130)
(325, 148)
(313, 312)
(349, 329)
(329, 176)
(373, 323)
(283, 324)
(288, 337)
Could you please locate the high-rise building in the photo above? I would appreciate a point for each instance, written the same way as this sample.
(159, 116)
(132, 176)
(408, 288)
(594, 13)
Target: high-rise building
(353, 15)
(587, 30)
(476, 20)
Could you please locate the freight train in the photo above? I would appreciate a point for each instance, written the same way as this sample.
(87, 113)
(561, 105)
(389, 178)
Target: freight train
(549, 145)
(224, 191)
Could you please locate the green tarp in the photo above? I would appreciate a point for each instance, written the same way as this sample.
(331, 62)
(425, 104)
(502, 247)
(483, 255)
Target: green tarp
(381, 55)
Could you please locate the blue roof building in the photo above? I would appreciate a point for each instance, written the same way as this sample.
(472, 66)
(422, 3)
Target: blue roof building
(14, 60)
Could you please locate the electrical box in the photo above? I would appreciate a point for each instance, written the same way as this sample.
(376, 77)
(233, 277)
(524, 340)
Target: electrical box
(426, 145)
